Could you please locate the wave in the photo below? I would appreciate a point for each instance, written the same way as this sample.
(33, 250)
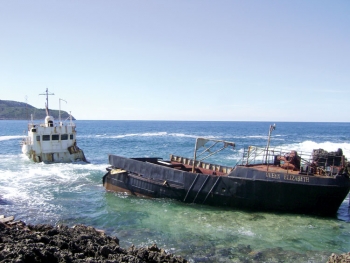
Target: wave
(254, 136)
(23, 181)
(262, 137)
(308, 146)
(105, 136)
(147, 134)
(7, 138)
(160, 134)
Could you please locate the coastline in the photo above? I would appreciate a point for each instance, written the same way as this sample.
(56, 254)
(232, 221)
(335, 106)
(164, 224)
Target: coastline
(46, 243)
(73, 194)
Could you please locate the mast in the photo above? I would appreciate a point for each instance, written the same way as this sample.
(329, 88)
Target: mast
(272, 127)
(47, 100)
(60, 109)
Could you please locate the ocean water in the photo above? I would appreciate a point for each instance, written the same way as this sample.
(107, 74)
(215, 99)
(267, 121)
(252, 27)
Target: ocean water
(73, 193)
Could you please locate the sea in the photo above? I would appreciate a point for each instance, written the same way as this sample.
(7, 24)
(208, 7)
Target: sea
(73, 194)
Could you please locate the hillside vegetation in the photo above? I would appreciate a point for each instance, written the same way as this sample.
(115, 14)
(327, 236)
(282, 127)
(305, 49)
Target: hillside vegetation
(14, 110)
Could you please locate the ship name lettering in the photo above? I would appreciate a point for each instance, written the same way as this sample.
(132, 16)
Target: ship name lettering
(303, 179)
(273, 175)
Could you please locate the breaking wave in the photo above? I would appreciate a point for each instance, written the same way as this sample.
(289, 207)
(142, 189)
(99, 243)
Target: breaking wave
(146, 134)
(7, 138)
(308, 146)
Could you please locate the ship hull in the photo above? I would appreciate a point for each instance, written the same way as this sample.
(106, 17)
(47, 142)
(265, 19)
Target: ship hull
(243, 188)
(63, 156)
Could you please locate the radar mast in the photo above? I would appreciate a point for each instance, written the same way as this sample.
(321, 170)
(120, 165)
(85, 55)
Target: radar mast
(47, 101)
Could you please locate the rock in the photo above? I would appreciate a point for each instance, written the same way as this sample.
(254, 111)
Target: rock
(339, 258)
(45, 243)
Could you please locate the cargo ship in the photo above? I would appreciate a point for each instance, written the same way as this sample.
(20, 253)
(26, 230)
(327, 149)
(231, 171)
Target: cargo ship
(265, 179)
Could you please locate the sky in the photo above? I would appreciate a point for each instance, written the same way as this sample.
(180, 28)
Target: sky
(195, 60)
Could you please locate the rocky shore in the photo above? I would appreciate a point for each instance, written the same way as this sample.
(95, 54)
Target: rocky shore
(343, 258)
(22, 243)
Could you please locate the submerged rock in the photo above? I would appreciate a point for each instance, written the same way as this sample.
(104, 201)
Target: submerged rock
(45, 243)
(339, 258)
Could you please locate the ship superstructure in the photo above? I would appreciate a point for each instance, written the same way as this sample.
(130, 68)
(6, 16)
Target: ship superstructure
(52, 141)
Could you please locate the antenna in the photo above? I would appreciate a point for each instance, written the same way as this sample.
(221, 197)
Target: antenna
(59, 113)
(47, 100)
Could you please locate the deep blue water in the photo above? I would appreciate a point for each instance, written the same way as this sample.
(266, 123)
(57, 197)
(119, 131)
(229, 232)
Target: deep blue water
(73, 193)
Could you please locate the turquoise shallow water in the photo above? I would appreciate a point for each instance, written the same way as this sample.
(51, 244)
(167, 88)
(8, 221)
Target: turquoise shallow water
(73, 193)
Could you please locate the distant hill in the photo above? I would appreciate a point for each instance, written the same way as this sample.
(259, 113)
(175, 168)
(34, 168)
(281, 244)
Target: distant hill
(14, 110)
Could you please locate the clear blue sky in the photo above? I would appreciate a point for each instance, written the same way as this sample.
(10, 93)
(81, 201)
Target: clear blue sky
(179, 60)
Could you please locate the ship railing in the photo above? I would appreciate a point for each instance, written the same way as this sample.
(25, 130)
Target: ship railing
(67, 124)
(68, 121)
(323, 163)
(26, 140)
(261, 155)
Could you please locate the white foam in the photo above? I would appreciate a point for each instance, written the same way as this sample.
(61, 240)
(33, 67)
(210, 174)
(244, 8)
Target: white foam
(147, 134)
(30, 182)
(308, 146)
(245, 232)
(182, 135)
(256, 136)
(14, 137)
